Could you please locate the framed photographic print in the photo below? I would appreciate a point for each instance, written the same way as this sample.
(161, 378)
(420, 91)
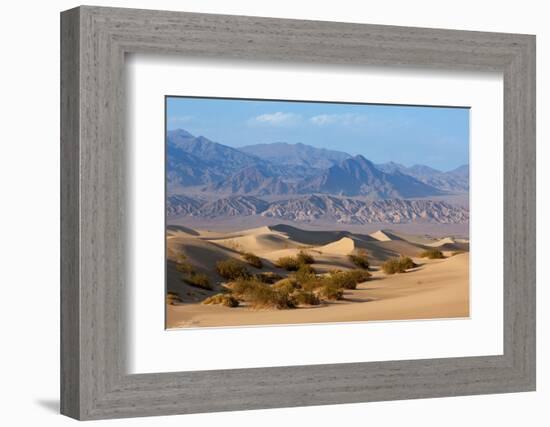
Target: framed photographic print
(304, 232)
(345, 212)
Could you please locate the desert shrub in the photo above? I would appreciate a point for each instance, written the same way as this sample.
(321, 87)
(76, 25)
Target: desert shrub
(302, 297)
(270, 298)
(304, 258)
(294, 263)
(199, 280)
(260, 295)
(172, 298)
(432, 253)
(222, 299)
(184, 266)
(330, 291)
(360, 259)
(314, 283)
(343, 280)
(407, 262)
(181, 257)
(305, 269)
(305, 273)
(232, 269)
(288, 285)
(288, 263)
(359, 276)
(397, 265)
(268, 277)
(392, 266)
(242, 287)
(253, 260)
(348, 279)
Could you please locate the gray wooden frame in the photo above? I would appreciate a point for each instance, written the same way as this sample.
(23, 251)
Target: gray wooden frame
(94, 41)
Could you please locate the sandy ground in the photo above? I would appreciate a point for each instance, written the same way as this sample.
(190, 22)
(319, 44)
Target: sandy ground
(435, 289)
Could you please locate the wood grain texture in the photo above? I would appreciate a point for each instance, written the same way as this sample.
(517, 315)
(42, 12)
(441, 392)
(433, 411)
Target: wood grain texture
(94, 381)
(70, 263)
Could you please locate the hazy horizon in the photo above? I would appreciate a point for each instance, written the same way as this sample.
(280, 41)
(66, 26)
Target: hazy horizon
(433, 136)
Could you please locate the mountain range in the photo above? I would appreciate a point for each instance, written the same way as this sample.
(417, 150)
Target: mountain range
(333, 209)
(300, 155)
(280, 169)
(456, 180)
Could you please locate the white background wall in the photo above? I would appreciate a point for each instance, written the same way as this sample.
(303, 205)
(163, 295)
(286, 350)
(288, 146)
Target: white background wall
(29, 225)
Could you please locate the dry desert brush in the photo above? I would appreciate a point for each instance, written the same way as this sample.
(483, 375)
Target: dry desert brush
(407, 262)
(198, 280)
(360, 259)
(252, 259)
(302, 297)
(288, 285)
(288, 263)
(226, 300)
(190, 275)
(304, 258)
(398, 265)
(232, 269)
(323, 286)
(432, 254)
(330, 291)
(173, 298)
(260, 295)
(184, 266)
(349, 279)
(268, 277)
(305, 273)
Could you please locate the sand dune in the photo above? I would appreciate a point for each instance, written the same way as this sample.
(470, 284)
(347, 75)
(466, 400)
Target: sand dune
(379, 251)
(450, 244)
(203, 256)
(178, 229)
(402, 247)
(308, 237)
(415, 239)
(260, 243)
(200, 253)
(249, 231)
(384, 236)
(444, 241)
(437, 288)
(344, 246)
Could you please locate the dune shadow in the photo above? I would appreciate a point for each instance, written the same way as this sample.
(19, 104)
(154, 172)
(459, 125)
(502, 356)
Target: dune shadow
(224, 248)
(364, 237)
(309, 237)
(370, 288)
(182, 229)
(376, 250)
(330, 265)
(417, 268)
(348, 299)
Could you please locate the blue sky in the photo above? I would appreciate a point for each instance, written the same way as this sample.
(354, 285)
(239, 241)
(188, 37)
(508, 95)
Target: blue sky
(433, 136)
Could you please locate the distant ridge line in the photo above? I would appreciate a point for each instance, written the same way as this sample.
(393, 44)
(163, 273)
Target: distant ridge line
(311, 208)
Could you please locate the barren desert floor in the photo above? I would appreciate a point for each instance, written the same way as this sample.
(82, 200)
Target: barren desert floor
(436, 288)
